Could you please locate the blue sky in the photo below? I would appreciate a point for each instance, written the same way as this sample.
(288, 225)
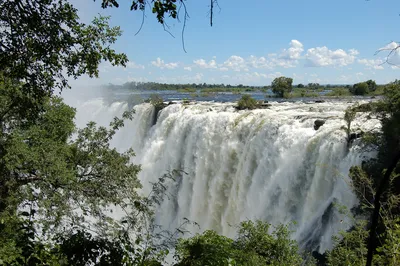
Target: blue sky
(309, 40)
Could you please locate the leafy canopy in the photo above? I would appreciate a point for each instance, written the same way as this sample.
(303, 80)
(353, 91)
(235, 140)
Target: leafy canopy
(281, 86)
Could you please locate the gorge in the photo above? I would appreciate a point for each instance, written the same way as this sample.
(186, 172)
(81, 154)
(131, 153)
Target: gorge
(269, 164)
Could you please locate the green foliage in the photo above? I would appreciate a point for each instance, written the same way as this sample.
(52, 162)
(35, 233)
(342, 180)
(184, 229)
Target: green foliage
(81, 248)
(274, 249)
(58, 176)
(160, 8)
(43, 40)
(297, 93)
(254, 245)
(156, 101)
(371, 85)
(349, 116)
(281, 86)
(247, 102)
(206, 249)
(360, 89)
(313, 86)
(389, 252)
(187, 88)
(350, 247)
(368, 178)
(339, 92)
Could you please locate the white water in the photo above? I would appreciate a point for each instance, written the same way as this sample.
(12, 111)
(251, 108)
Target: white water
(264, 164)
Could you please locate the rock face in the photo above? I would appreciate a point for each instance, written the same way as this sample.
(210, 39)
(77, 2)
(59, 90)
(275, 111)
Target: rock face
(354, 136)
(318, 123)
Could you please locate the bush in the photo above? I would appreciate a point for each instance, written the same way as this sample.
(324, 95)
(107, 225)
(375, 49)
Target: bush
(156, 101)
(360, 89)
(339, 92)
(247, 102)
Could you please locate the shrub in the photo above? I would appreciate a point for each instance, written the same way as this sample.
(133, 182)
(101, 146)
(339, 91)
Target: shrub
(247, 102)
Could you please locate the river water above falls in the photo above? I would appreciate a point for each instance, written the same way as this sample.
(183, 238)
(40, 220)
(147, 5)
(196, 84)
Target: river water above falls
(268, 164)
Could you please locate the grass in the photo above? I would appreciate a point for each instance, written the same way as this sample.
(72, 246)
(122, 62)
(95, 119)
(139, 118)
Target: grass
(186, 90)
(339, 92)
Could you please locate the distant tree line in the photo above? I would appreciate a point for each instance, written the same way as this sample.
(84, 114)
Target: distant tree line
(280, 86)
(143, 86)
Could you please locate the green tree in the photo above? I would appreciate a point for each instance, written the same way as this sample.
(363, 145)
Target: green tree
(360, 89)
(371, 85)
(282, 86)
(255, 244)
(350, 247)
(375, 182)
(313, 86)
(300, 86)
(48, 180)
(247, 102)
(43, 40)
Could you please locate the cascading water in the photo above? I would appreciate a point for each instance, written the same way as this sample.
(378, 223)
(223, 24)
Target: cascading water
(268, 164)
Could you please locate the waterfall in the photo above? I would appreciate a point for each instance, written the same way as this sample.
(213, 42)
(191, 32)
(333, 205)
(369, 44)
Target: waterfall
(268, 164)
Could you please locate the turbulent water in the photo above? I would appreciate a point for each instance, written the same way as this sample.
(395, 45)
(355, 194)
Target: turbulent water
(268, 164)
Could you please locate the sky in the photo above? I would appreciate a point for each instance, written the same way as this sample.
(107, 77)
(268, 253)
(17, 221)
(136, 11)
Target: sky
(253, 42)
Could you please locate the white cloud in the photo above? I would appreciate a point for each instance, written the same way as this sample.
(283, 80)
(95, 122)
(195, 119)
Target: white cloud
(389, 47)
(294, 52)
(274, 75)
(203, 64)
(354, 52)
(393, 53)
(132, 64)
(345, 78)
(236, 63)
(223, 69)
(198, 77)
(371, 63)
(258, 62)
(187, 68)
(322, 56)
(161, 64)
(285, 63)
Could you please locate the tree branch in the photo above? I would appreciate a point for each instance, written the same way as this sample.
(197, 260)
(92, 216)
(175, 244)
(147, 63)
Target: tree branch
(377, 205)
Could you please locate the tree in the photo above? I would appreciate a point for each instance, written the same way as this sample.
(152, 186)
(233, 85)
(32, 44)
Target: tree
(255, 244)
(371, 85)
(300, 86)
(47, 180)
(350, 248)
(313, 86)
(376, 181)
(162, 8)
(360, 89)
(41, 39)
(282, 86)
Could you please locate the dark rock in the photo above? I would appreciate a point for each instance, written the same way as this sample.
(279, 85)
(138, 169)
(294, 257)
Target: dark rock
(319, 101)
(264, 105)
(318, 123)
(354, 136)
